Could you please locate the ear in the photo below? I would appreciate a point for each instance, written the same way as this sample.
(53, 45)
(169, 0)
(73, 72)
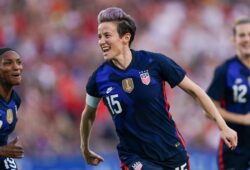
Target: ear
(127, 37)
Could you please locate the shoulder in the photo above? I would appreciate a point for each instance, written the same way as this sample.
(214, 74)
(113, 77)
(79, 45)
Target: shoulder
(223, 67)
(154, 56)
(97, 75)
(16, 98)
(100, 68)
(146, 53)
(229, 61)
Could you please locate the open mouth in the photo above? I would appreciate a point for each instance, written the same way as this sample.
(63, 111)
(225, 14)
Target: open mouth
(106, 49)
(16, 75)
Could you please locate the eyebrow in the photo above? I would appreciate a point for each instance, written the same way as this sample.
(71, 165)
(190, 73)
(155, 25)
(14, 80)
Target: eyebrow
(8, 59)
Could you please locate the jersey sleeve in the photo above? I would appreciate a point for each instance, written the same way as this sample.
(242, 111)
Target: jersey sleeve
(91, 87)
(92, 101)
(170, 71)
(216, 90)
(17, 99)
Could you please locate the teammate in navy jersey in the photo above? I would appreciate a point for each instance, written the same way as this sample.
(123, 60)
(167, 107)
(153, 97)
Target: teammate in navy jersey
(131, 84)
(230, 91)
(10, 75)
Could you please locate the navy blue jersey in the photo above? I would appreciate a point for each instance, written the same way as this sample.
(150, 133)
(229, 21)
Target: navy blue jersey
(231, 87)
(8, 117)
(137, 101)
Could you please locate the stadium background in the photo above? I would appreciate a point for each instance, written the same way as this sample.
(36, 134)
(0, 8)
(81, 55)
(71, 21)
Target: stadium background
(58, 43)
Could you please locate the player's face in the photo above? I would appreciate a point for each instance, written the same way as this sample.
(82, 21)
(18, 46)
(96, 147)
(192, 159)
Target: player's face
(242, 40)
(10, 68)
(110, 42)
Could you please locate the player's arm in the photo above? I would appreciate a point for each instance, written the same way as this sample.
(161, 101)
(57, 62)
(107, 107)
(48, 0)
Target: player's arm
(87, 120)
(12, 150)
(232, 117)
(228, 135)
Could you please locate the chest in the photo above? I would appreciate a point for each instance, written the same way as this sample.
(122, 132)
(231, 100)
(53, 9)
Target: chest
(134, 83)
(238, 83)
(123, 91)
(8, 117)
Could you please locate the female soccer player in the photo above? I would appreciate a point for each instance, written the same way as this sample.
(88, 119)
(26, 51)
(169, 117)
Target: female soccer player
(131, 83)
(10, 75)
(230, 91)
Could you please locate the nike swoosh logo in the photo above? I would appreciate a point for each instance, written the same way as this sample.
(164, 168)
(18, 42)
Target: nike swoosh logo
(109, 90)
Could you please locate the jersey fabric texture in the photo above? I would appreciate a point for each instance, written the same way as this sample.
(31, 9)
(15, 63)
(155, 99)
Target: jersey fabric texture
(231, 87)
(8, 116)
(136, 99)
(8, 119)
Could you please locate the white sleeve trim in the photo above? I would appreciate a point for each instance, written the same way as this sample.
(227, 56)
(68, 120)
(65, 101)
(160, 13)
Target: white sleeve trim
(92, 101)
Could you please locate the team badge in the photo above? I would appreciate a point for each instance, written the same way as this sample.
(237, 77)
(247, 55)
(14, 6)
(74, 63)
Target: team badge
(9, 116)
(128, 85)
(145, 78)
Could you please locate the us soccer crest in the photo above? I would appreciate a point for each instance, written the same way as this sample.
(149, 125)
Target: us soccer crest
(9, 116)
(145, 77)
(128, 85)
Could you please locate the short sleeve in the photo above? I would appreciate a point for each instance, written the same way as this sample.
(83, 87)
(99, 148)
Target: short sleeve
(92, 101)
(170, 71)
(91, 87)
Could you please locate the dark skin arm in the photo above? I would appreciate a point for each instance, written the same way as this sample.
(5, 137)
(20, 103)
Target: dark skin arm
(12, 150)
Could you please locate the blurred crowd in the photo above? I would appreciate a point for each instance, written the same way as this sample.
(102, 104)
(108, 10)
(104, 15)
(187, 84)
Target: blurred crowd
(57, 40)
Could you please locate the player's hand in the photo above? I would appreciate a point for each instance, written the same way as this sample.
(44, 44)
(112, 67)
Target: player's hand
(230, 137)
(91, 157)
(12, 150)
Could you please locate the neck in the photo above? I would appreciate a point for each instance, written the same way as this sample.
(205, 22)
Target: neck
(5, 92)
(123, 60)
(245, 59)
